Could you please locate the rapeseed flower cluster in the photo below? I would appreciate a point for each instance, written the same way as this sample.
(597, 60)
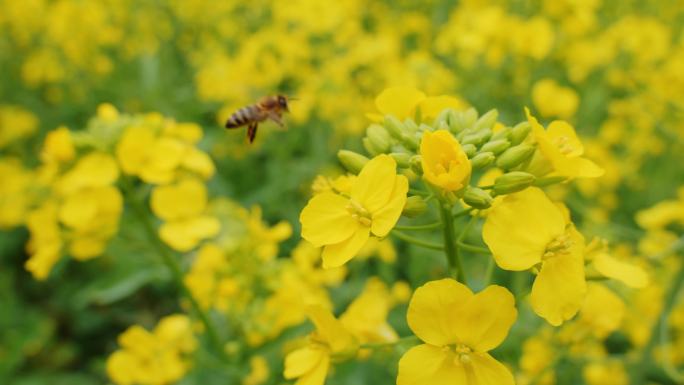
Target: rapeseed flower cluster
(536, 243)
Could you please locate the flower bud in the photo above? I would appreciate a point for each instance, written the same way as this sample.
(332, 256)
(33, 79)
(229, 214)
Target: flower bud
(482, 160)
(416, 162)
(369, 147)
(549, 180)
(394, 127)
(379, 138)
(519, 132)
(477, 137)
(414, 207)
(411, 126)
(515, 156)
(469, 149)
(352, 161)
(513, 181)
(403, 159)
(487, 120)
(496, 146)
(445, 165)
(477, 198)
(463, 120)
(501, 133)
(409, 141)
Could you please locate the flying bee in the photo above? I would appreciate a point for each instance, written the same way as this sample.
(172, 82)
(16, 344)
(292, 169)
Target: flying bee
(269, 107)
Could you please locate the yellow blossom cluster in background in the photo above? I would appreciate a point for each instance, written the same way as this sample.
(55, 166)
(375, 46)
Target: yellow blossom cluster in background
(470, 192)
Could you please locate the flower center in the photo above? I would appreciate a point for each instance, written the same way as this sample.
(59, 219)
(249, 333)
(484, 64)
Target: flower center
(359, 213)
(563, 144)
(461, 353)
(559, 245)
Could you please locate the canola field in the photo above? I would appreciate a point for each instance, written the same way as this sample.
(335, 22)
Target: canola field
(439, 192)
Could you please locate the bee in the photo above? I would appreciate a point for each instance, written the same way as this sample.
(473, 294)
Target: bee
(269, 107)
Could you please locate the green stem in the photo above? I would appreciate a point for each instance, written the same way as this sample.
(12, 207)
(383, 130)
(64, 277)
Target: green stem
(419, 192)
(472, 248)
(489, 272)
(429, 226)
(417, 241)
(463, 212)
(450, 246)
(669, 303)
(174, 267)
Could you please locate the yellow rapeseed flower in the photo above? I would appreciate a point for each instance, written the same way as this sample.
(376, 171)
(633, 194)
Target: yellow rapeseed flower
(560, 151)
(343, 224)
(445, 165)
(459, 328)
(526, 230)
(182, 206)
(552, 99)
(310, 364)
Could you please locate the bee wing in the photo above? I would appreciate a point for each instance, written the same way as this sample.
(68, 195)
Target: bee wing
(251, 131)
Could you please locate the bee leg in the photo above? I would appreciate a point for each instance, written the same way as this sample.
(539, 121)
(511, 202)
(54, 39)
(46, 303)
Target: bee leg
(251, 131)
(277, 118)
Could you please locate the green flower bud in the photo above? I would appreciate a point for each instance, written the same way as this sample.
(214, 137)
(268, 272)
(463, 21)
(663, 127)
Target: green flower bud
(416, 162)
(379, 137)
(463, 120)
(469, 149)
(513, 181)
(394, 127)
(411, 126)
(352, 161)
(477, 198)
(549, 180)
(515, 156)
(487, 120)
(370, 148)
(496, 146)
(447, 117)
(414, 207)
(403, 159)
(482, 160)
(501, 134)
(410, 142)
(477, 137)
(519, 132)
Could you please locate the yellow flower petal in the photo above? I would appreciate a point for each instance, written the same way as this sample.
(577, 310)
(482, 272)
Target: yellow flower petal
(559, 289)
(519, 241)
(430, 365)
(432, 106)
(484, 321)
(384, 219)
(331, 330)
(184, 199)
(602, 311)
(485, 370)
(444, 162)
(375, 183)
(434, 308)
(340, 253)
(399, 101)
(302, 361)
(325, 220)
(560, 130)
(317, 375)
(631, 275)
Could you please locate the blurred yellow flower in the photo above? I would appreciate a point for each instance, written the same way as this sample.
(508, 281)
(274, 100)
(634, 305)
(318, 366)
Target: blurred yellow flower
(343, 225)
(310, 364)
(458, 328)
(258, 373)
(58, 146)
(526, 230)
(445, 165)
(366, 316)
(560, 151)
(182, 206)
(602, 311)
(153, 358)
(16, 123)
(399, 101)
(554, 100)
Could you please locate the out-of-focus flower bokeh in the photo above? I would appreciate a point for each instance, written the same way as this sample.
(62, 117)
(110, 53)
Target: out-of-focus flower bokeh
(142, 243)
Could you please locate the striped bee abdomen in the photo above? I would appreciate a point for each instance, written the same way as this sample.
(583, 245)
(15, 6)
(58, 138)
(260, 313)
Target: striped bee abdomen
(242, 116)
